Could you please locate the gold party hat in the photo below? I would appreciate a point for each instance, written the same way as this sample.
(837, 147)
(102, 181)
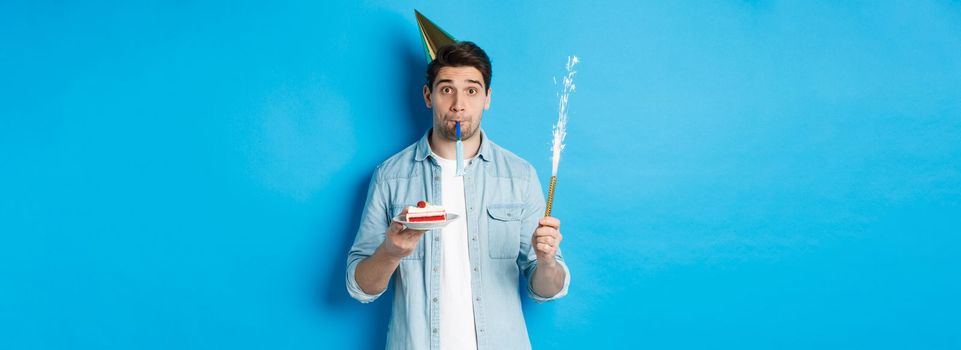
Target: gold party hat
(434, 37)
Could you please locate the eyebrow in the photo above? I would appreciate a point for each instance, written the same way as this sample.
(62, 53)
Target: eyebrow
(451, 81)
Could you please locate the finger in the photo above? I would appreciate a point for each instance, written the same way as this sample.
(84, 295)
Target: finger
(415, 233)
(545, 231)
(394, 228)
(549, 245)
(546, 239)
(545, 249)
(549, 221)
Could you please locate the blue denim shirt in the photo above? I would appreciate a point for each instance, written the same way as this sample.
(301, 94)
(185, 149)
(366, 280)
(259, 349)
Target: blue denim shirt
(504, 203)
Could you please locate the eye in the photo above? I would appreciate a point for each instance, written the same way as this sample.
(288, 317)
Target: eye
(446, 90)
(472, 91)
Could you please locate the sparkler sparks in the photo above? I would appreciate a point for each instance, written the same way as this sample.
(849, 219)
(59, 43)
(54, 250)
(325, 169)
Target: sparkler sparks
(560, 129)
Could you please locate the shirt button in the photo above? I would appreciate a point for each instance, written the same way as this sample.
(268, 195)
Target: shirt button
(481, 329)
(435, 300)
(437, 238)
(435, 269)
(437, 178)
(475, 269)
(473, 238)
(478, 299)
(435, 330)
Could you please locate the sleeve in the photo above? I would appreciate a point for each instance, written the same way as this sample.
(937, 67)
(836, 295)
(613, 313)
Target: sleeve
(534, 207)
(370, 235)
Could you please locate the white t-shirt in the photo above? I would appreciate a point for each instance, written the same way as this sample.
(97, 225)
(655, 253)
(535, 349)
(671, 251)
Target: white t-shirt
(456, 306)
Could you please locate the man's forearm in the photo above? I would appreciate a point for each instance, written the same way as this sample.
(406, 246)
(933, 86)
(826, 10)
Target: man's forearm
(373, 273)
(548, 279)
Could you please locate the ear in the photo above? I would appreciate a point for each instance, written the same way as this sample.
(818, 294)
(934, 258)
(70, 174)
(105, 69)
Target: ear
(427, 96)
(487, 103)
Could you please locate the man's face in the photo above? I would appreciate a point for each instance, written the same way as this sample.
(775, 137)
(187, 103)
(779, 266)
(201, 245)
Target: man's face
(458, 94)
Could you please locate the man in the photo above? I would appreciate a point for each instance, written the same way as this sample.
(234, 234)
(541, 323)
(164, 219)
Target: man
(456, 287)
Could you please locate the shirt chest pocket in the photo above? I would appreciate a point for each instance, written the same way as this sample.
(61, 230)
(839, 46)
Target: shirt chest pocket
(504, 230)
(418, 253)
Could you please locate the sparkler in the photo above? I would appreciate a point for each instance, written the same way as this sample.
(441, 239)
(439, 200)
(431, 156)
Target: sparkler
(560, 129)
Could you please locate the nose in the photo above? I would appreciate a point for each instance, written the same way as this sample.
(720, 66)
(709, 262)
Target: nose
(458, 104)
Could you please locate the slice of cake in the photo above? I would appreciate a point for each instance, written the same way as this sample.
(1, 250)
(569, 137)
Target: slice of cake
(426, 212)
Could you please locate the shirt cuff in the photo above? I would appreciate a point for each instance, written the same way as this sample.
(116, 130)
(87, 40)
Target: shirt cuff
(567, 282)
(354, 289)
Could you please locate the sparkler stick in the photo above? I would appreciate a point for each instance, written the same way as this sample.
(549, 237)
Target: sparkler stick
(550, 196)
(560, 130)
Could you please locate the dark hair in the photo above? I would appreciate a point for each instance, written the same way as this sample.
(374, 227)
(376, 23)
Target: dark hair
(460, 54)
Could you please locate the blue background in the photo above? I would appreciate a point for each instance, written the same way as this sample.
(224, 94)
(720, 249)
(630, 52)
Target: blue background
(739, 174)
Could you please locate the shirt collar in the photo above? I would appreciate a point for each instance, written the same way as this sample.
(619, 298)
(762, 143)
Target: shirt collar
(423, 147)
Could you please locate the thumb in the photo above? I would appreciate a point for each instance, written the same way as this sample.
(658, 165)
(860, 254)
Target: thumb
(394, 228)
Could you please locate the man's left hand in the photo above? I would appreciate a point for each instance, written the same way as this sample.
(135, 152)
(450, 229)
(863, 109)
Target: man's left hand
(547, 238)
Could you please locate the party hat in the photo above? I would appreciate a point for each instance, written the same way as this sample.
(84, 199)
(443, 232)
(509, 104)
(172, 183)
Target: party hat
(434, 37)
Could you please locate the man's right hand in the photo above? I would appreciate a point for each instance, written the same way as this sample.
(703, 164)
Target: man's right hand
(373, 273)
(401, 241)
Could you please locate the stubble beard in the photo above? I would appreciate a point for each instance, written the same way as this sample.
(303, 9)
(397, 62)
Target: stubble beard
(451, 133)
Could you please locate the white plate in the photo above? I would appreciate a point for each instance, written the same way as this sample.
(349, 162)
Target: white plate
(426, 225)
